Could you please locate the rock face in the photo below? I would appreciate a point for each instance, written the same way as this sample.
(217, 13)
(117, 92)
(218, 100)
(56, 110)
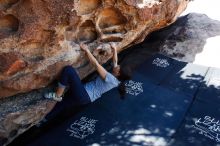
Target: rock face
(38, 38)
(19, 113)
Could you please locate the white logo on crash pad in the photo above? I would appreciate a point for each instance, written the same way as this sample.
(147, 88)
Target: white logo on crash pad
(161, 62)
(133, 88)
(209, 127)
(82, 128)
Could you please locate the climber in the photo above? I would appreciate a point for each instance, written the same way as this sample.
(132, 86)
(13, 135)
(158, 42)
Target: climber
(89, 92)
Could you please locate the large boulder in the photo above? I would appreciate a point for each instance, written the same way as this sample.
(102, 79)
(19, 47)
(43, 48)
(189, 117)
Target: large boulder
(38, 38)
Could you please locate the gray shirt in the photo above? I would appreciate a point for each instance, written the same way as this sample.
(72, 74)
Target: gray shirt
(97, 87)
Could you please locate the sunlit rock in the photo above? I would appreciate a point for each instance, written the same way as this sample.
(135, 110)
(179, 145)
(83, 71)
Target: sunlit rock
(44, 36)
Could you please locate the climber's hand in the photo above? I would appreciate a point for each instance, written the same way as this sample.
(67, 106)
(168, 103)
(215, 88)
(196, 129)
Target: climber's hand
(83, 47)
(113, 47)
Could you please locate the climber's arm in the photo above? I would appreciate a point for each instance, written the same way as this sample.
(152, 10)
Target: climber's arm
(115, 55)
(101, 70)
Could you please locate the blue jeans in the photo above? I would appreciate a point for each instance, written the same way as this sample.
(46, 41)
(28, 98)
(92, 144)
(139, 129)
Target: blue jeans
(70, 78)
(75, 97)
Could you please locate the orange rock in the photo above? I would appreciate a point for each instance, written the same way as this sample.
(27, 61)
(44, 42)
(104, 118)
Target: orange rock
(42, 34)
(17, 66)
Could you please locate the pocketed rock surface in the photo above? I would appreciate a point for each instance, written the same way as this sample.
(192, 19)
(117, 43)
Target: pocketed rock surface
(38, 38)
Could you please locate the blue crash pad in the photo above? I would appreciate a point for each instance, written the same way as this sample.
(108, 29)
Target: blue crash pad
(162, 94)
(156, 68)
(121, 118)
(201, 126)
(185, 78)
(154, 110)
(210, 89)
